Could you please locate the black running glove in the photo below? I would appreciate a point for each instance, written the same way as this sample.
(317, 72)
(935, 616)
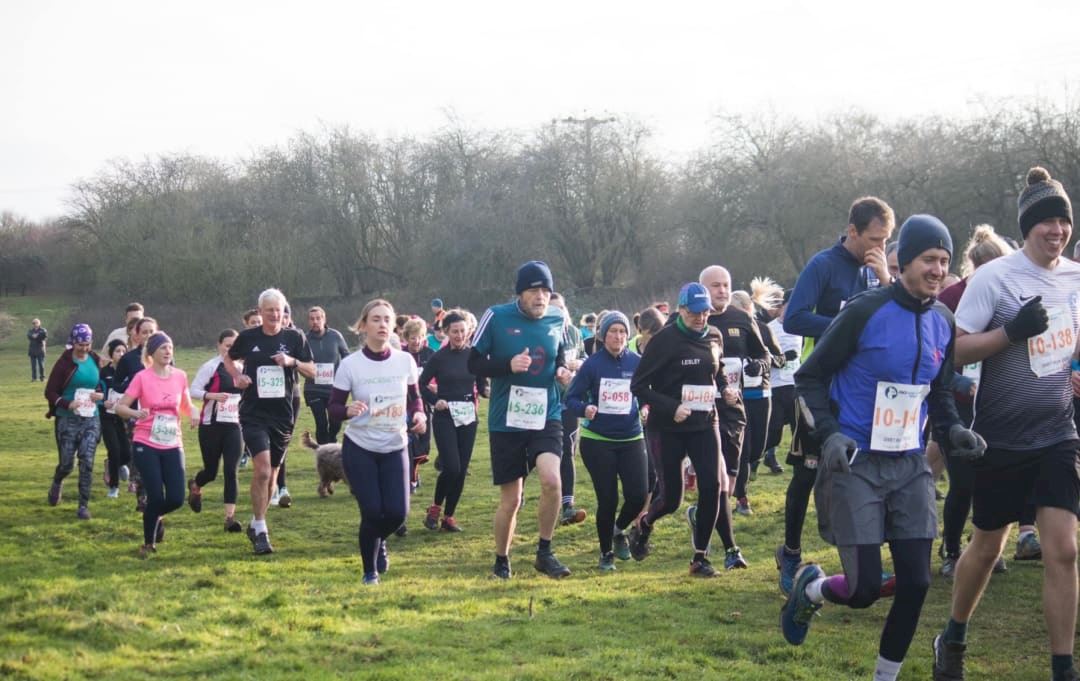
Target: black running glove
(836, 453)
(1031, 320)
(791, 355)
(966, 443)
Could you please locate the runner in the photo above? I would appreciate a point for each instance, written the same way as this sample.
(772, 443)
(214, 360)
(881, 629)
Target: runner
(281, 496)
(1019, 316)
(328, 348)
(374, 454)
(37, 336)
(417, 344)
(612, 444)
(220, 440)
(854, 264)
(129, 366)
(437, 312)
(162, 393)
(252, 319)
(679, 377)
(882, 366)
(113, 429)
(131, 312)
(72, 391)
(269, 353)
(575, 353)
(783, 386)
(520, 345)
(454, 404)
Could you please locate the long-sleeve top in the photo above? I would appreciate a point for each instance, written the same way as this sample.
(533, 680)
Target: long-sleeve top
(827, 282)
(603, 381)
(449, 368)
(327, 351)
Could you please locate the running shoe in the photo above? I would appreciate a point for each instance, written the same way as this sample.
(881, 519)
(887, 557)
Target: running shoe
(571, 515)
(194, 498)
(260, 543)
(639, 543)
(948, 567)
(1000, 567)
(382, 558)
(159, 531)
(114, 493)
(449, 524)
(622, 547)
(772, 464)
(701, 567)
(147, 550)
(691, 520)
(401, 531)
(501, 570)
(56, 492)
(733, 559)
(243, 461)
(888, 585)
(275, 498)
(83, 513)
(284, 498)
(547, 563)
(233, 525)
(124, 474)
(787, 564)
(607, 562)
(431, 520)
(1028, 548)
(742, 507)
(948, 660)
(798, 610)
(371, 579)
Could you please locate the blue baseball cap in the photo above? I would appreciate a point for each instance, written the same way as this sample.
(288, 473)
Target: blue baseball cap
(695, 297)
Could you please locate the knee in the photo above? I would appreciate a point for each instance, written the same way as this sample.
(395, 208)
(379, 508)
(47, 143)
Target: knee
(866, 594)
(450, 466)
(550, 482)
(1059, 553)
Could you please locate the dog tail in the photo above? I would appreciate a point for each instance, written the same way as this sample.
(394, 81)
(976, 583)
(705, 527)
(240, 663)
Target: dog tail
(308, 442)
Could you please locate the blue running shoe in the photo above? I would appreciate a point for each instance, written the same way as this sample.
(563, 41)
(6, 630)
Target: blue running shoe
(733, 559)
(371, 579)
(797, 612)
(788, 565)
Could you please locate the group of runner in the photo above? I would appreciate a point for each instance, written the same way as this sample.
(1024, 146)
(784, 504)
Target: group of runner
(860, 358)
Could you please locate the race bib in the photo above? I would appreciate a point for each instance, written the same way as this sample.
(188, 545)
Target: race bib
(527, 408)
(165, 430)
(84, 402)
(733, 371)
(387, 411)
(615, 397)
(1050, 351)
(897, 409)
(787, 372)
(699, 397)
(751, 381)
(973, 372)
(270, 381)
(324, 374)
(229, 410)
(463, 413)
(114, 397)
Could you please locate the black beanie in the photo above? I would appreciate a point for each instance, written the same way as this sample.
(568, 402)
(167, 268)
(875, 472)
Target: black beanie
(1042, 198)
(533, 274)
(920, 233)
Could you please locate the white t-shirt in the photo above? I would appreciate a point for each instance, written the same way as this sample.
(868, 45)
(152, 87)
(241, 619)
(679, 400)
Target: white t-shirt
(1015, 409)
(787, 342)
(384, 387)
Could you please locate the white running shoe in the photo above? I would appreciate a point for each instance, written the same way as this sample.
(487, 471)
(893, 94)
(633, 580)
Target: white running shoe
(274, 500)
(114, 493)
(124, 473)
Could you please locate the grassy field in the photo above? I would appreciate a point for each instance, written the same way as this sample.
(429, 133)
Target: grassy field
(76, 602)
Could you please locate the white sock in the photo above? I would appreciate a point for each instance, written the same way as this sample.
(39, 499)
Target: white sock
(886, 670)
(813, 590)
(258, 525)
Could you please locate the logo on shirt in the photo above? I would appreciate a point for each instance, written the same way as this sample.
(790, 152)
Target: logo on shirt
(514, 332)
(283, 349)
(734, 333)
(1024, 299)
(691, 362)
(255, 349)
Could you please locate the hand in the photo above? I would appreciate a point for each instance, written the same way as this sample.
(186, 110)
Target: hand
(731, 396)
(96, 396)
(966, 443)
(836, 453)
(242, 381)
(563, 376)
(141, 414)
(283, 360)
(590, 411)
(791, 355)
(355, 409)
(110, 404)
(419, 423)
(752, 368)
(644, 413)
(1031, 320)
(194, 421)
(441, 405)
(875, 259)
(682, 412)
(520, 362)
(574, 364)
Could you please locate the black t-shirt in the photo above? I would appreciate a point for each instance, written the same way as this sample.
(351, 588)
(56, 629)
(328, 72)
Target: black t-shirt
(269, 398)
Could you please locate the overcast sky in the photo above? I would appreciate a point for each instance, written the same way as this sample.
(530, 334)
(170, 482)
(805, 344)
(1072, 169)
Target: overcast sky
(85, 82)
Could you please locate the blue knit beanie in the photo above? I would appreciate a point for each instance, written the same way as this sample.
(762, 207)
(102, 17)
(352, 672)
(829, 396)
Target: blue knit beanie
(612, 317)
(534, 274)
(920, 233)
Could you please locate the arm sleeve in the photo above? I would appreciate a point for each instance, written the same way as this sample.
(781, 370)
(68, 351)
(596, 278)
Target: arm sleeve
(800, 318)
(337, 405)
(429, 372)
(941, 403)
(976, 308)
(651, 367)
(483, 365)
(579, 389)
(759, 353)
(202, 379)
(342, 346)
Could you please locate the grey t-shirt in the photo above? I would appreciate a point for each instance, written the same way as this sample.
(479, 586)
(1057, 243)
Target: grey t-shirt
(1016, 409)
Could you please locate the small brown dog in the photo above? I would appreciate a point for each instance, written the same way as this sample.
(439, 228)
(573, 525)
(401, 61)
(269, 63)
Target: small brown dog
(327, 464)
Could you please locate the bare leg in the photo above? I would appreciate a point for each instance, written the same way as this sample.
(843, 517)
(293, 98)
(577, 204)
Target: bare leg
(506, 516)
(1059, 580)
(547, 469)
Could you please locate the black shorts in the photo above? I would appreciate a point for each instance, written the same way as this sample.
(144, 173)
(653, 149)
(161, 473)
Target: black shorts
(260, 437)
(731, 449)
(1007, 481)
(805, 448)
(513, 454)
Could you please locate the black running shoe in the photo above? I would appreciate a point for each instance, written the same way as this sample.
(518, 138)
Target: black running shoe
(401, 531)
(382, 558)
(948, 660)
(548, 564)
(159, 533)
(501, 570)
(194, 498)
(261, 544)
(233, 525)
(639, 543)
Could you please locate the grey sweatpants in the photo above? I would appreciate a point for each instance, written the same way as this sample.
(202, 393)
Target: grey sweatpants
(77, 438)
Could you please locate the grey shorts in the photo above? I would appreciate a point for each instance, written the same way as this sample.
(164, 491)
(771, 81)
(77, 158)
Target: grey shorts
(881, 499)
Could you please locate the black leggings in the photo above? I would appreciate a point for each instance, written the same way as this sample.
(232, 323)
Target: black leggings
(220, 441)
(862, 568)
(455, 446)
(796, 504)
(117, 444)
(163, 480)
(567, 471)
(326, 431)
(380, 483)
(703, 448)
(608, 463)
(753, 445)
(782, 413)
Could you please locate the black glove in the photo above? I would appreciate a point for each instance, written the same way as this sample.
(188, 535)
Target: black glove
(791, 355)
(752, 368)
(836, 453)
(966, 443)
(1031, 320)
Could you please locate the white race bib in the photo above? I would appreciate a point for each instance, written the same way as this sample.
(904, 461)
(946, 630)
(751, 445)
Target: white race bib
(229, 410)
(165, 430)
(615, 397)
(324, 374)
(114, 397)
(733, 372)
(270, 381)
(751, 381)
(387, 411)
(463, 413)
(527, 408)
(1050, 351)
(786, 373)
(897, 423)
(699, 397)
(84, 402)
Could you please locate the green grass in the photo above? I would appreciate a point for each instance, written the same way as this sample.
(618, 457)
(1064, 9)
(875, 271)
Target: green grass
(76, 603)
